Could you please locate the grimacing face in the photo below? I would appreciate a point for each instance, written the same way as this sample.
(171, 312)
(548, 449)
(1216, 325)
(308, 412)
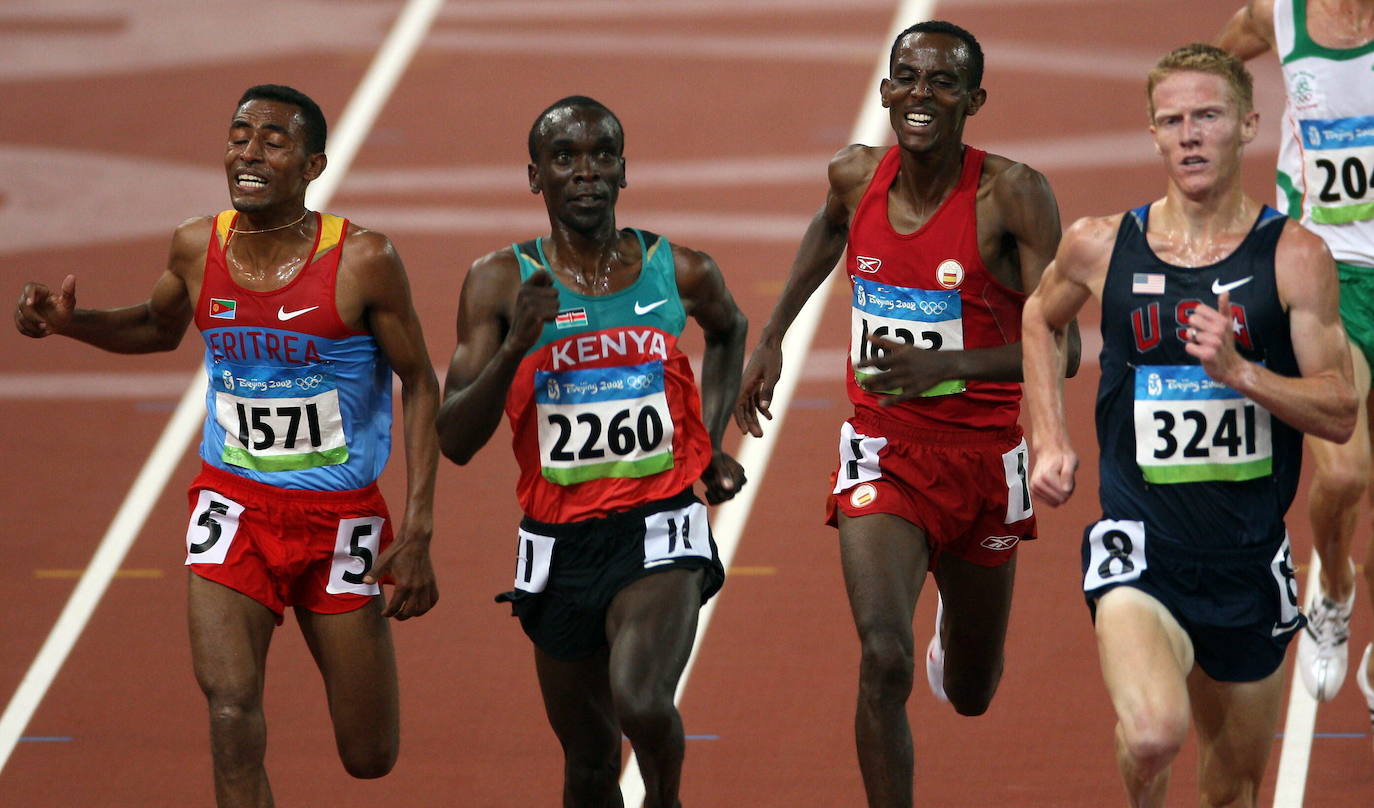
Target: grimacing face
(927, 93)
(266, 160)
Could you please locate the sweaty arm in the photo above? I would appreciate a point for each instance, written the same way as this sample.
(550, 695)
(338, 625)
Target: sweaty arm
(373, 270)
(157, 324)
(821, 248)
(1249, 32)
(1077, 273)
(1023, 205)
(499, 319)
(1320, 402)
(709, 302)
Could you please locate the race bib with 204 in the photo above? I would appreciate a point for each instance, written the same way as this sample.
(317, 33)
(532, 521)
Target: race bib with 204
(1338, 164)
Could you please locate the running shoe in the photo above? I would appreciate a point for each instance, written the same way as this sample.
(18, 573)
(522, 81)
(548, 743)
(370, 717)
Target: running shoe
(1366, 687)
(935, 656)
(1323, 646)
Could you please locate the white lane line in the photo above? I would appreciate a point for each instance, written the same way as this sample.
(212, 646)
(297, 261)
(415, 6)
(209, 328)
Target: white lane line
(1298, 727)
(525, 10)
(730, 518)
(386, 67)
(372, 94)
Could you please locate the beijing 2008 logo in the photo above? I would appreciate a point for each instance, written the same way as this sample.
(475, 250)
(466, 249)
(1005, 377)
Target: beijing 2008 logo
(1154, 384)
(551, 386)
(860, 295)
(1304, 90)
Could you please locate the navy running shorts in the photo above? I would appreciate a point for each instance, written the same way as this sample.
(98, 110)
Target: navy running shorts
(1238, 606)
(567, 574)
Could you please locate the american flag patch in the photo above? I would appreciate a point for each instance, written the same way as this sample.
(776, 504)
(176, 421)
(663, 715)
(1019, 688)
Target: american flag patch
(1147, 283)
(571, 318)
(223, 309)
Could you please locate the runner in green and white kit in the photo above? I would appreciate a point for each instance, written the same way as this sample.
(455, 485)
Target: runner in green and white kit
(1326, 181)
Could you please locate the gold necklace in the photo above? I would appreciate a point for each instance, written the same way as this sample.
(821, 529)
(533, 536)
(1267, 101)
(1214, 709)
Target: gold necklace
(270, 229)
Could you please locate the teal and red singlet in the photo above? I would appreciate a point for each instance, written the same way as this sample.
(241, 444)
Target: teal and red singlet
(604, 408)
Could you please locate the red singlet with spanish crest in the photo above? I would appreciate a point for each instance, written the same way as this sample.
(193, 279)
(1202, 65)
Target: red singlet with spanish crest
(930, 289)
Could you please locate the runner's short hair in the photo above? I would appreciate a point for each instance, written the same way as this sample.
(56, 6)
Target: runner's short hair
(316, 131)
(975, 51)
(541, 123)
(1202, 58)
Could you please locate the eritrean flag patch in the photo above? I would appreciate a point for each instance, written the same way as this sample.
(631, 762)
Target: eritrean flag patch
(223, 309)
(567, 318)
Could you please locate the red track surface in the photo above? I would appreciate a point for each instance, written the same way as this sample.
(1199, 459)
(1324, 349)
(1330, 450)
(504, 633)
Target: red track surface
(772, 693)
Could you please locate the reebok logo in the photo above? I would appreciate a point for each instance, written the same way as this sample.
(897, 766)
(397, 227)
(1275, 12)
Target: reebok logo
(283, 314)
(1000, 542)
(865, 264)
(646, 309)
(1218, 287)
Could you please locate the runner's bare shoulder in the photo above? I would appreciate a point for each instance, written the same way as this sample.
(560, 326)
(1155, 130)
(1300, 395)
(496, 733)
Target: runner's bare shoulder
(852, 168)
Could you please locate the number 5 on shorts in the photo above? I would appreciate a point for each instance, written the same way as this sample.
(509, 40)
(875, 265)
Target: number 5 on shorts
(356, 547)
(214, 523)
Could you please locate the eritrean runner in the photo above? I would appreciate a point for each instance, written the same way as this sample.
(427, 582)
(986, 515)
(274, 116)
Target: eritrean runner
(305, 317)
(576, 336)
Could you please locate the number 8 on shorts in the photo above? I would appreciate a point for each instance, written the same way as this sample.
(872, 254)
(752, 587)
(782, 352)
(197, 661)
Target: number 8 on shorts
(1116, 553)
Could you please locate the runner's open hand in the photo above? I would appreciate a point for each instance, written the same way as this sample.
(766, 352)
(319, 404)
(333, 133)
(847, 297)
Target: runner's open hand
(901, 366)
(42, 312)
(756, 388)
(535, 305)
(406, 564)
(723, 478)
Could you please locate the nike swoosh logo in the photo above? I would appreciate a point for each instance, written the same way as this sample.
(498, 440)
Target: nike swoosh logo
(1218, 287)
(646, 309)
(283, 314)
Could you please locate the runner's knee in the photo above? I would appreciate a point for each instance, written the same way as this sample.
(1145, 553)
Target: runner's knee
(1234, 794)
(886, 667)
(589, 780)
(230, 708)
(1153, 738)
(644, 709)
(971, 695)
(238, 734)
(1342, 482)
(368, 758)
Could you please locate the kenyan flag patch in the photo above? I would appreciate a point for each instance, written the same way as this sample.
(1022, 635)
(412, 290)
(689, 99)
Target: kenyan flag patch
(571, 318)
(223, 309)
